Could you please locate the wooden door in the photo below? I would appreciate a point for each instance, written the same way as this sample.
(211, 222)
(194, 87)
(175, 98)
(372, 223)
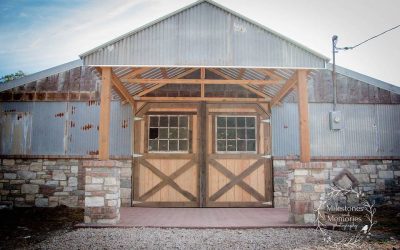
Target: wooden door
(167, 173)
(238, 166)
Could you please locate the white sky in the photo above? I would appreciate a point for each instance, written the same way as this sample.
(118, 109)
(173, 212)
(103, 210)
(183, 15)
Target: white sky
(52, 34)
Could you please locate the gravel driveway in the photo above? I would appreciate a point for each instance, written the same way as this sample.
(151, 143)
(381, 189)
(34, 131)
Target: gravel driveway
(155, 238)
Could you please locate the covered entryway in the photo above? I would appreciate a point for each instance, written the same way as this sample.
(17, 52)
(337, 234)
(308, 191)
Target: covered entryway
(202, 155)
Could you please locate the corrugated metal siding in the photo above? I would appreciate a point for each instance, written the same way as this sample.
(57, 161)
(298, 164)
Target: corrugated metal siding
(71, 128)
(369, 130)
(285, 130)
(204, 35)
(15, 133)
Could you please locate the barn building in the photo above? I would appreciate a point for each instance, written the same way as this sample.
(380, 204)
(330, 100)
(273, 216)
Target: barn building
(200, 108)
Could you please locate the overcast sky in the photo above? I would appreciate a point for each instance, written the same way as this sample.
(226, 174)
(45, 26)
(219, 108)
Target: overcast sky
(39, 34)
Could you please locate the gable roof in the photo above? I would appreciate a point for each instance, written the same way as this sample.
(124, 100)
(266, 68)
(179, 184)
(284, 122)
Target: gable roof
(204, 34)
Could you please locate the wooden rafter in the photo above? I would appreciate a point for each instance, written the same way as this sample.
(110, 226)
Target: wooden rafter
(270, 73)
(134, 73)
(200, 81)
(253, 90)
(164, 73)
(146, 91)
(289, 85)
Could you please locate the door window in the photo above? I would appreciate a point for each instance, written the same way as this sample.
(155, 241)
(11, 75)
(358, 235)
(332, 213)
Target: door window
(236, 134)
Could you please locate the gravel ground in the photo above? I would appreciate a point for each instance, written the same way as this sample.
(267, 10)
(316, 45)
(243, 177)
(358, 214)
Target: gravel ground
(156, 238)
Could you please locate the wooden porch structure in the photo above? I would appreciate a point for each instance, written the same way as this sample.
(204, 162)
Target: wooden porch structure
(110, 80)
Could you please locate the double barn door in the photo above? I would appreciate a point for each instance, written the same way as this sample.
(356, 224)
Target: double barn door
(202, 155)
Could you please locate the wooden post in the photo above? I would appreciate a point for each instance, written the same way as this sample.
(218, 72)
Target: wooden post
(202, 76)
(303, 116)
(104, 122)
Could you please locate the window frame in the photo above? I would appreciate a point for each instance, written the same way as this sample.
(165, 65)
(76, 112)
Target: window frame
(188, 139)
(256, 139)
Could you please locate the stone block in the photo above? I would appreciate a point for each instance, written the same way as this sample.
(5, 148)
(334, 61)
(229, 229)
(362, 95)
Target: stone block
(381, 167)
(69, 201)
(126, 172)
(29, 188)
(37, 181)
(300, 179)
(49, 163)
(362, 178)
(299, 172)
(36, 167)
(368, 169)
(42, 202)
(125, 193)
(307, 188)
(10, 176)
(112, 196)
(386, 174)
(74, 169)
(8, 162)
(93, 187)
(72, 181)
(126, 183)
(281, 202)
(110, 181)
(97, 180)
(26, 175)
(309, 218)
(94, 201)
(279, 163)
(59, 175)
(112, 203)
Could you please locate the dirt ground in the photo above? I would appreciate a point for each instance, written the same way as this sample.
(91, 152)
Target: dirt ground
(25, 227)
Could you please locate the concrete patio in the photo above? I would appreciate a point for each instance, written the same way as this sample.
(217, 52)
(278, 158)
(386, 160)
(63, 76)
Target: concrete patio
(203, 218)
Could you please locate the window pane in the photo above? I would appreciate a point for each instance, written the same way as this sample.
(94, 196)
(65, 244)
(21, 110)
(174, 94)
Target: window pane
(153, 145)
(231, 122)
(183, 145)
(163, 146)
(173, 133)
(251, 134)
(164, 121)
(173, 121)
(153, 121)
(231, 133)
(241, 122)
(163, 133)
(153, 133)
(250, 121)
(241, 145)
(251, 145)
(183, 133)
(241, 133)
(221, 122)
(221, 133)
(183, 121)
(231, 145)
(173, 145)
(221, 145)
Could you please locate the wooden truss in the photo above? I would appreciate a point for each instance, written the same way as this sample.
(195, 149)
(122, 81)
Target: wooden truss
(110, 79)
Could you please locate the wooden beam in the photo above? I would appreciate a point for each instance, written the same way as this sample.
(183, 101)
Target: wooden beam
(134, 73)
(164, 73)
(255, 91)
(303, 116)
(289, 85)
(197, 99)
(104, 122)
(241, 73)
(144, 92)
(200, 81)
(119, 87)
(202, 76)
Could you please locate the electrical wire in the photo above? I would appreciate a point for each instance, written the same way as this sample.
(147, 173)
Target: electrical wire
(355, 46)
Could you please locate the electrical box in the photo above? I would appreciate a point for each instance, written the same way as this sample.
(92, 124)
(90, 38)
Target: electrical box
(335, 120)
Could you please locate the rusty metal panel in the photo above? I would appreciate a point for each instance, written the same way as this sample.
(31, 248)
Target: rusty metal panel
(82, 127)
(15, 133)
(204, 34)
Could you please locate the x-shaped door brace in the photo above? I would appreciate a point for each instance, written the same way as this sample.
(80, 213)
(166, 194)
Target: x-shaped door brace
(167, 180)
(237, 180)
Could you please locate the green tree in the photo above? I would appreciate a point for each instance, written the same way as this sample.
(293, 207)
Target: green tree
(11, 77)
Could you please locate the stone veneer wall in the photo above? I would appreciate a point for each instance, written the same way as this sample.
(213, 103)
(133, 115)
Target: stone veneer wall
(380, 179)
(51, 182)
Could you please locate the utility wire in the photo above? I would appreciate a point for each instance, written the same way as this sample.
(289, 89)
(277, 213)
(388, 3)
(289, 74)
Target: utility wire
(355, 46)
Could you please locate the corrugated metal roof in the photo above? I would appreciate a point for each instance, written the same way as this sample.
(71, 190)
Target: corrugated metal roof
(204, 34)
(40, 75)
(364, 78)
